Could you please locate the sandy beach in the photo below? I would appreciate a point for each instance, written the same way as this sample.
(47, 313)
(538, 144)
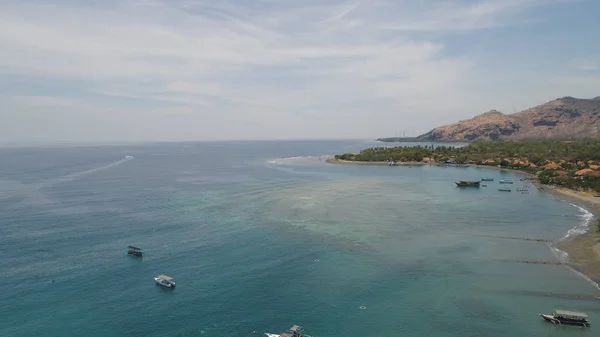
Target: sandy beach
(583, 250)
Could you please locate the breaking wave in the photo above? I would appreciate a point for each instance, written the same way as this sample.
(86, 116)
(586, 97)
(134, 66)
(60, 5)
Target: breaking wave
(299, 160)
(583, 226)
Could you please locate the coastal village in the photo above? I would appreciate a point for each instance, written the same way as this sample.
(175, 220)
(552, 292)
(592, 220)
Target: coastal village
(574, 165)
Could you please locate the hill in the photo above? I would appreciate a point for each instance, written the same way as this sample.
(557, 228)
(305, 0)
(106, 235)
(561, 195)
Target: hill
(564, 118)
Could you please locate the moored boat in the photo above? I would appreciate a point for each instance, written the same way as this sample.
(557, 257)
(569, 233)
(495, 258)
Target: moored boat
(468, 183)
(135, 251)
(487, 179)
(295, 331)
(505, 181)
(567, 318)
(165, 281)
(504, 190)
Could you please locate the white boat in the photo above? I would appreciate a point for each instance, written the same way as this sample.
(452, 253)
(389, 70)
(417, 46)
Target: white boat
(295, 331)
(128, 157)
(165, 281)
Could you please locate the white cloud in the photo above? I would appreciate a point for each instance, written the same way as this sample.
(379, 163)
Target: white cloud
(586, 64)
(279, 63)
(41, 101)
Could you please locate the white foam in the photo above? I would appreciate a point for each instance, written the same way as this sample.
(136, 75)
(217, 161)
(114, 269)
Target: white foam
(585, 277)
(583, 226)
(298, 160)
(579, 229)
(560, 255)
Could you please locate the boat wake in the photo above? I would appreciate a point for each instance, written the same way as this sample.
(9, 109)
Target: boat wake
(32, 192)
(73, 176)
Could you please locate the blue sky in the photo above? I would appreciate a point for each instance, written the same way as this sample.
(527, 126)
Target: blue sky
(152, 70)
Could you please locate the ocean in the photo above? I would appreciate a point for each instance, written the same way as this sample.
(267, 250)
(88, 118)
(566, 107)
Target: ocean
(260, 236)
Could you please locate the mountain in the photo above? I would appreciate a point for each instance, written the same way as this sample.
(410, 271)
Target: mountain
(563, 118)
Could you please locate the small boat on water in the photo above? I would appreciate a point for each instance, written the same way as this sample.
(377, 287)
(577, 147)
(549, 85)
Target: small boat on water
(128, 157)
(487, 179)
(505, 181)
(504, 190)
(468, 183)
(165, 281)
(567, 318)
(134, 251)
(295, 331)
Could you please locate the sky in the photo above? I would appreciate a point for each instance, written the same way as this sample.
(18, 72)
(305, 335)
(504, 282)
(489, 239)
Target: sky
(183, 70)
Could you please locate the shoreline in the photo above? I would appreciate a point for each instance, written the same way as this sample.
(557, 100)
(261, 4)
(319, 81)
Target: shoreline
(583, 250)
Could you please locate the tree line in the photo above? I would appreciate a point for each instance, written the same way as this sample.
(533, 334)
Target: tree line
(530, 156)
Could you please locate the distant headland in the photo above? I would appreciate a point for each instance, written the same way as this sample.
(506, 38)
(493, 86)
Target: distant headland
(565, 118)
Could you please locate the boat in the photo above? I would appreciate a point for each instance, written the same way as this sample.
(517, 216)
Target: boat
(505, 181)
(165, 281)
(135, 251)
(468, 183)
(522, 190)
(504, 189)
(128, 157)
(295, 331)
(567, 318)
(487, 179)
(482, 185)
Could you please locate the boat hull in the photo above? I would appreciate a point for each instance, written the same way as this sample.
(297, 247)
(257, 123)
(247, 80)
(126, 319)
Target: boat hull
(467, 184)
(164, 284)
(552, 319)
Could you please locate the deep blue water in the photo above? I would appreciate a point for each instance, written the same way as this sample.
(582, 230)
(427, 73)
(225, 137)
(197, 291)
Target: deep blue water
(259, 236)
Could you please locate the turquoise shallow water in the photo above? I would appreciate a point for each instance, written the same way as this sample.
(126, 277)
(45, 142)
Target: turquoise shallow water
(259, 236)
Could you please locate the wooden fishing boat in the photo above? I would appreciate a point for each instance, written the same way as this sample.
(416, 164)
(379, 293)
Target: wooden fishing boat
(565, 317)
(468, 183)
(134, 251)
